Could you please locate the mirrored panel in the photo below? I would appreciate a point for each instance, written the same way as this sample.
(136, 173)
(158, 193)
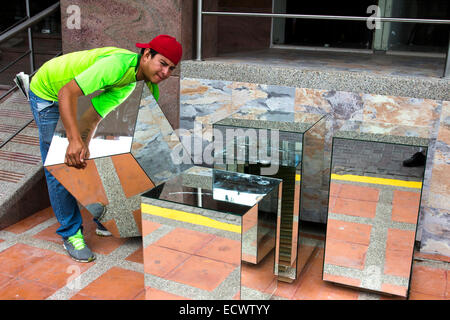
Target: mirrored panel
(274, 147)
(156, 146)
(374, 205)
(194, 235)
(109, 186)
(113, 135)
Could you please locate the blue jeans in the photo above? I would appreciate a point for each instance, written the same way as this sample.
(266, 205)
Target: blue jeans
(63, 203)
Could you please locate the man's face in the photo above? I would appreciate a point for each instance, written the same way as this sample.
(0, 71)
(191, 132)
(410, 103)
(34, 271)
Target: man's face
(156, 69)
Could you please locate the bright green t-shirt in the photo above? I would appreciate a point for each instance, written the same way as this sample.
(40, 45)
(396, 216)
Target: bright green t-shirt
(110, 69)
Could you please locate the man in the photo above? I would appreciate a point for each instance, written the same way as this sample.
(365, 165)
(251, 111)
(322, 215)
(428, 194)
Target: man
(54, 91)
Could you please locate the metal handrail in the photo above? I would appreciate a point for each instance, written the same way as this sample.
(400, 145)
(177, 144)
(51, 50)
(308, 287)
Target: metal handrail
(29, 121)
(200, 14)
(322, 17)
(14, 24)
(13, 62)
(27, 24)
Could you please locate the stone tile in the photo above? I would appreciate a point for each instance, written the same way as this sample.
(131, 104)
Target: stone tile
(309, 289)
(81, 297)
(141, 295)
(394, 289)
(54, 271)
(330, 291)
(260, 276)
(357, 208)
(437, 257)
(21, 289)
(397, 263)
(49, 234)
(348, 231)
(348, 191)
(335, 188)
(137, 256)
(4, 279)
(439, 184)
(406, 198)
(435, 228)
(148, 227)
(155, 294)
(132, 178)
(405, 214)
(413, 295)
(400, 110)
(331, 203)
(342, 280)
(115, 284)
(222, 249)
(20, 257)
(160, 261)
(311, 101)
(185, 240)
(400, 240)
(399, 251)
(429, 281)
(345, 254)
(316, 267)
(32, 221)
(85, 184)
(201, 273)
(98, 244)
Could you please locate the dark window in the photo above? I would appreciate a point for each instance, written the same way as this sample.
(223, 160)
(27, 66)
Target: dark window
(356, 34)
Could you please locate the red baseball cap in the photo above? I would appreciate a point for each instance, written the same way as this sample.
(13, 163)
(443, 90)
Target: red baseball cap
(166, 45)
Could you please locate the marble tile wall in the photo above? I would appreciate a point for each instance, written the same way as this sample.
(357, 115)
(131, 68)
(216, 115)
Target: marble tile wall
(205, 101)
(436, 205)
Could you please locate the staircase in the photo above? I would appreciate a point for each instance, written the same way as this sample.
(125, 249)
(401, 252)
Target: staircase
(22, 182)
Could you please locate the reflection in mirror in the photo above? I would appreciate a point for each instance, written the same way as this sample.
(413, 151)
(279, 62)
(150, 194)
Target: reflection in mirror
(275, 147)
(207, 235)
(373, 211)
(113, 135)
(117, 180)
(155, 143)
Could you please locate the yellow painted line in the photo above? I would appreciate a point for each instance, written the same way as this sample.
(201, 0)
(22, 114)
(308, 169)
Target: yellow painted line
(373, 180)
(188, 217)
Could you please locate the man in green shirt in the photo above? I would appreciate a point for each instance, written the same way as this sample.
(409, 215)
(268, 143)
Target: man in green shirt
(54, 91)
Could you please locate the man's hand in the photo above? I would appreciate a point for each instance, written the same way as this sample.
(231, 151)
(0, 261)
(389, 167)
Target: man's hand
(77, 151)
(76, 154)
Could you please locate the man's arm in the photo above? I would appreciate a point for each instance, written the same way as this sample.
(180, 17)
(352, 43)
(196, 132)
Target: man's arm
(80, 134)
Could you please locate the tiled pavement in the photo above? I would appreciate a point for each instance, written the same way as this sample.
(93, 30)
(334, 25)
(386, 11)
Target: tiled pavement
(34, 266)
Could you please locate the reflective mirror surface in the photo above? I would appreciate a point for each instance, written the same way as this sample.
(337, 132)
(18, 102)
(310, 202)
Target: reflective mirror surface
(155, 144)
(373, 207)
(116, 179)
(207, 220)
(273, 145)
(114, 133)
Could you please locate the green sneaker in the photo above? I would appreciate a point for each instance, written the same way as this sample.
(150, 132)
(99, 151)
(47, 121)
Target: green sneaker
(77, 249)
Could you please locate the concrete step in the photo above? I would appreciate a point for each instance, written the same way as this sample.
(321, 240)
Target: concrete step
(23, 189)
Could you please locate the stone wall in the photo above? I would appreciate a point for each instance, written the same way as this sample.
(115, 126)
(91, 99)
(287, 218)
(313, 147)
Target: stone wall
(205, 101)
